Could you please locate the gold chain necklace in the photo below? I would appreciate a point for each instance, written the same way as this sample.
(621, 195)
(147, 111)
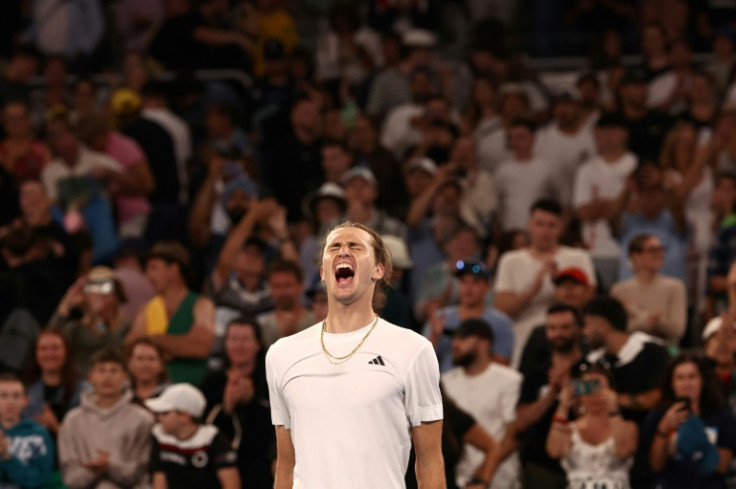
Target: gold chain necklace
(340, 360)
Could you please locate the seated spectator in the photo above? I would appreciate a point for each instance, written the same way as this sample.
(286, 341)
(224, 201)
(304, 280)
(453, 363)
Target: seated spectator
(106, 441)
(524, 287)
(177, 320)
(544, 380)
(523, 179)
(52, 384)
(21, 154)
(474, 280)
(598, 182)
(397, 307)
(656, 305)
(322, 208)
(289, 315)
(172, 462)
(26, 451)
(147, 369)
(597, 449)
(130, 186)
(90, 316)
(691, 437)
(489, 392)
(361, 194)
(493, 144)
(223, 132)
(647, 206)
(438, 287)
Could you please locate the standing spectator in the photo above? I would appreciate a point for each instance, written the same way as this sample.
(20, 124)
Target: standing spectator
(361, 193)
(544, 380)
(567, 142)
(597, 448)
(489, 392)
(173, 462)
(26, 450)
(690, 438)
(21, 154)
(147, 369)
(98, 296)
(106, 441)
(656, 305)
(474, 283)
(390, 86)
(289, 316)
(590, 91)
(177, 320)
(648, 206)
(523, 179)
(524, 288)
(479, 196)
(493, 143)
(597, 185)
(53, 387)
(481, 118)
(336, 160)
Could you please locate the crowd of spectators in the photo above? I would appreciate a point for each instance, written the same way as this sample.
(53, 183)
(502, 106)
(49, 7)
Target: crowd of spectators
(566, 241)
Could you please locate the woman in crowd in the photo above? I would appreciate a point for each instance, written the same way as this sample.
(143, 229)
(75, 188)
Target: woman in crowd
(237, 403)
(657, 305)
(52, 385)
(21, 153)
(91, 316)
(597, 449)
(692, 437)
(147, 369)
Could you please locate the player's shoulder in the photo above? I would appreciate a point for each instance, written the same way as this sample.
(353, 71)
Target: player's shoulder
(288, 345)
(403, 338)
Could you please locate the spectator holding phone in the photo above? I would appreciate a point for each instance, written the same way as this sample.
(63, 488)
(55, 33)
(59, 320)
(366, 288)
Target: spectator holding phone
(692, 437)
(597, 449)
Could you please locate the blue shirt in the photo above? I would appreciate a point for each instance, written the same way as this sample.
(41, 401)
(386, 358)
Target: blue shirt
(663, 227)
(503, 334)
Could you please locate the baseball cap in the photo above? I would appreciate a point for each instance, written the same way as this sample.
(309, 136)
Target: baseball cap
(419, 38)
(573, 274)
(179, 397)
(474, 327)
(422, 163)
(328, 190)
(399, 252)
(125, 102)
(170, 251)
(474, 267)
(712, 328)
(359, 172)
(243, 183)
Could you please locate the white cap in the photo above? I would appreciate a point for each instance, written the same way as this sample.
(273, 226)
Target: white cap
(179, 397)
(399, 252)
(359, 172)
(422, 163)
(419, 38)
(712, 328)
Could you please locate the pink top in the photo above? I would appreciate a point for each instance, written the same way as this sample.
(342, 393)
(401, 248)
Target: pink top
(126, 151)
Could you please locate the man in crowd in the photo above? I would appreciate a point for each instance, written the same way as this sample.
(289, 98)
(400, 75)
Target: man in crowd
(105, 442)
(488, 391)
(177, 320)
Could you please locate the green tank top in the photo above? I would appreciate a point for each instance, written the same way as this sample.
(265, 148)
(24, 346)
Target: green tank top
(192, 370)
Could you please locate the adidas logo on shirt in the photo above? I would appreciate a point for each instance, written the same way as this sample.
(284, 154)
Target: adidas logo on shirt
(377, 361)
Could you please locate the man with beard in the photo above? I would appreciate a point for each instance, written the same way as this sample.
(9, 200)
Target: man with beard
(544, 379)
(289, 315)
(488, 391)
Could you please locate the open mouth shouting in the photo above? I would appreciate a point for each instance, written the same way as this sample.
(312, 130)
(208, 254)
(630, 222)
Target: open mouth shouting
(344, 274)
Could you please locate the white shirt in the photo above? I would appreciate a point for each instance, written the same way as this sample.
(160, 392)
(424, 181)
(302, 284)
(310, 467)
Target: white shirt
(519, 185)
(351, 423)
(603, 180)
(491, 144)
(87, 162)
(398, 134)
(565, 153)
(517, 271)
(490, 397)
(182, 137)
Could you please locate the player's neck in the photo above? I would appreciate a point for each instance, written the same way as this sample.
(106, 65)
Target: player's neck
(348, 318)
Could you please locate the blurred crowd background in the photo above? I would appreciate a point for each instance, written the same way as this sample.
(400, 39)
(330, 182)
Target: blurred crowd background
(556, 181)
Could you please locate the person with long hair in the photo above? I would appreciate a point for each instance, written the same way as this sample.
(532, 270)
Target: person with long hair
(51, 380)
(691, 437)
(147, 370)
(597, 449)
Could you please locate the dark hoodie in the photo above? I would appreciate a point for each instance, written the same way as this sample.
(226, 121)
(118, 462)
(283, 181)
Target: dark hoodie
(31, 462)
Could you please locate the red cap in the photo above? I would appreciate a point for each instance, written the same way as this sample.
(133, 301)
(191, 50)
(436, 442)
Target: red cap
(572, 273)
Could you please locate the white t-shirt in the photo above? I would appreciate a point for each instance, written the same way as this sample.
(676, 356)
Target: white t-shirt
(565, 153)
(604, 180)
(351, 423)
(490, 397)
(491, 144)
(516, 273)
(519, 185)
(87, 162)
(398, 134)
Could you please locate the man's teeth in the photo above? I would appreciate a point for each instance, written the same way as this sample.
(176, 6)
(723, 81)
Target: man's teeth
(345, 265)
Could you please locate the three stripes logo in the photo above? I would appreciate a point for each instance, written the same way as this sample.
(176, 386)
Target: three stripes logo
(377, 361)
